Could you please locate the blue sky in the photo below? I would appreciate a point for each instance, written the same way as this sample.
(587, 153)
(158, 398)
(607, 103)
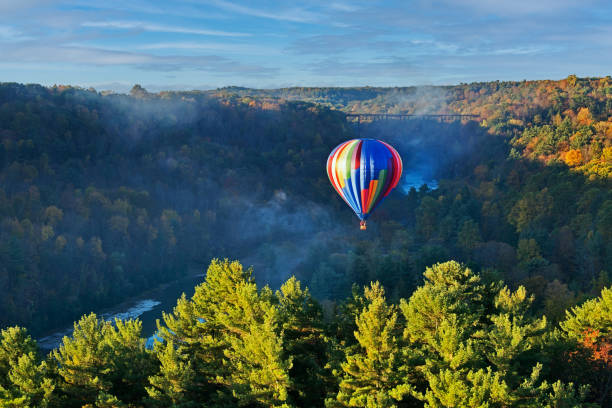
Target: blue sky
(189, 44)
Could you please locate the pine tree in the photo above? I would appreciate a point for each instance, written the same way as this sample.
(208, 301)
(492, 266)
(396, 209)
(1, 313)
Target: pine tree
(84, 362)
(14, 343)
(173, 385)
(130, 363)
(375, 374)
(34, 382)
(233, 334)
(199, 342)
(255, 359)
(306, 343)
(513, 337)
(24, 381)
(102, 363)
(478, 341)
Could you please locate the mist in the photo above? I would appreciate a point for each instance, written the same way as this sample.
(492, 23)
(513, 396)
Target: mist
(154, 186)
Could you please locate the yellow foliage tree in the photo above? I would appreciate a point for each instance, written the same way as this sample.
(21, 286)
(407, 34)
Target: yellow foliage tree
(573, 158)
(607, 154)
(584, 116)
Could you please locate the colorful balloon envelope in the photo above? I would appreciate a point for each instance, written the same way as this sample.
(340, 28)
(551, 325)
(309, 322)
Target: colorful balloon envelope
(363, 172)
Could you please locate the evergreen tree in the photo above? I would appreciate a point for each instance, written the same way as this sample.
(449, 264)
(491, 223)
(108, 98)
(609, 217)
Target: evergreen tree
(24, 381)
(130, 362)
(306, 343)
(375, 374)
(15, 342)
(34, 382)
(102, 363)
(84, 362)
(234, 334)
(478, 340)
(459, 341)
(173, 385)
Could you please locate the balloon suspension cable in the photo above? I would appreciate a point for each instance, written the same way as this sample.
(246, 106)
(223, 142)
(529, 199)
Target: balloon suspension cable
(362, 225)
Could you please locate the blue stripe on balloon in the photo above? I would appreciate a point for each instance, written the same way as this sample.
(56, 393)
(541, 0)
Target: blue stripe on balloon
(346, 191)
(355, 182)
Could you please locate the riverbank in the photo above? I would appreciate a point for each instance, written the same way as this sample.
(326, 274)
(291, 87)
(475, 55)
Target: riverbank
(147, 306)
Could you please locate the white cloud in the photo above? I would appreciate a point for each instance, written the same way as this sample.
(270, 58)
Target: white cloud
(137, 25)
(10, 34)
(345, 7)
(247, 49)
(143, 61)
(296, 15)
(521, 7)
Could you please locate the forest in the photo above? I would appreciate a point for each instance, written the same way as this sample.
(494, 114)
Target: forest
(104, 195)
(462, 339)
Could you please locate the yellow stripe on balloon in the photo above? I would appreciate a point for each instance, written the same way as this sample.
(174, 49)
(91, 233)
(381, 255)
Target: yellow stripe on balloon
(342, 165)
(336, 165)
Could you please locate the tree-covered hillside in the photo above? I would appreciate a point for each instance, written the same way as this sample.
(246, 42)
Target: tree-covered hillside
(104, 195)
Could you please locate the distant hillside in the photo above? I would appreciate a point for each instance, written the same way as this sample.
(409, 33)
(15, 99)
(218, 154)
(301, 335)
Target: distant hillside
(104, 195)
(550, 112)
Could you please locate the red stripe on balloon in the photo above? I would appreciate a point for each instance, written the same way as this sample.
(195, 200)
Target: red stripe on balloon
(364, 198)
(358, 155)
(397, 168)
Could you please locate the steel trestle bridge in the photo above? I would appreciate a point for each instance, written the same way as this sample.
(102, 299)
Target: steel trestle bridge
(445, 117)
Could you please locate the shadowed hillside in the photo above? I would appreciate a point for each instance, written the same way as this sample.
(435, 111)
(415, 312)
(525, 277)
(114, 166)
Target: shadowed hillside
(106, 195)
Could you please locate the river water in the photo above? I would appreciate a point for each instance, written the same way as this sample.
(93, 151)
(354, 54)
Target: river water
(148, 307)
(416, 177)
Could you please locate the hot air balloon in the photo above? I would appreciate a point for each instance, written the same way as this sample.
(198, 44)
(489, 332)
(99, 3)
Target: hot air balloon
(363, 172)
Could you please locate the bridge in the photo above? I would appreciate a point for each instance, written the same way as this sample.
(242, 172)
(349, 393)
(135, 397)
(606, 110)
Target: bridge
(445, 117)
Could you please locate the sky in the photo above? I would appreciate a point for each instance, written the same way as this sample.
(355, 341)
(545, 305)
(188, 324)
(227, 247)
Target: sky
(204, 44)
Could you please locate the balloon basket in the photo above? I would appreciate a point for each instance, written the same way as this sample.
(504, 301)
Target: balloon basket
(362, 225)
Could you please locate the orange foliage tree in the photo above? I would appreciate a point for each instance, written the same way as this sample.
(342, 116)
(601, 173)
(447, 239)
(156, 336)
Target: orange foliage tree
(584, 116)
(573, 158)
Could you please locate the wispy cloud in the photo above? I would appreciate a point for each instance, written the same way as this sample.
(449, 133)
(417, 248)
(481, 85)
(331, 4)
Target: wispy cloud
(523, 7)
(143, 61)
(303, 42)
(524, 50)
(366, 70)
(8, 6)
(137, 25)
(344, 7)
(248, 49)
(296, 15)
(8, 33)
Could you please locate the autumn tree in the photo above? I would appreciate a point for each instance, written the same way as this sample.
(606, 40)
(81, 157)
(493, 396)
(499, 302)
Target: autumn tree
(573, 158)
(590, 325)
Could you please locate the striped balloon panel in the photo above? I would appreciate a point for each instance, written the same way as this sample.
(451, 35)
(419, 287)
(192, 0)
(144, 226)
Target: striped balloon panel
(363, 172)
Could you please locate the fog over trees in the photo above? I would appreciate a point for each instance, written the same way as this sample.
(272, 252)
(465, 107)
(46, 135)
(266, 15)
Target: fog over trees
(490, 286)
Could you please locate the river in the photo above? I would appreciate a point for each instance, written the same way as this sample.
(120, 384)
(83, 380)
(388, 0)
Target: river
(148, 307)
